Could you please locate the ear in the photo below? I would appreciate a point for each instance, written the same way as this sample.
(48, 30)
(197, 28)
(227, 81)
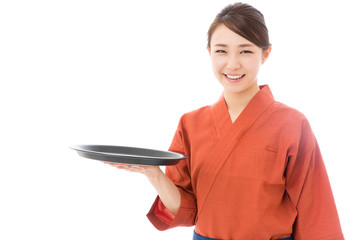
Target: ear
(266, 54)
(209, 50)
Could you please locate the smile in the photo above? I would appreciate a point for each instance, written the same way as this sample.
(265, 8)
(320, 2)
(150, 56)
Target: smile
(234, 78)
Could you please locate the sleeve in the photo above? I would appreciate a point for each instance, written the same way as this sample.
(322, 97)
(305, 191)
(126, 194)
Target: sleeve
(179, 174)
(309, 190)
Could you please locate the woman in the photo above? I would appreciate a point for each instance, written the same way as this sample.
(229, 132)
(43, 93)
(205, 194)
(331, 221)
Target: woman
(254, 169)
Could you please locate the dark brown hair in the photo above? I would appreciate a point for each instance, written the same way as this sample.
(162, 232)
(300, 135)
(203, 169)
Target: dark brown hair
(245, 21)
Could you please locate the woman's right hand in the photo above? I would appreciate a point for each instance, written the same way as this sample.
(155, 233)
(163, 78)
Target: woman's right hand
(149, 171)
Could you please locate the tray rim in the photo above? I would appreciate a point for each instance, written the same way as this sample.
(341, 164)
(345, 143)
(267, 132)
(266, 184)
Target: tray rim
(178, 156)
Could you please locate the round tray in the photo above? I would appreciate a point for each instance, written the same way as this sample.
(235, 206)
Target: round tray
(128, 155)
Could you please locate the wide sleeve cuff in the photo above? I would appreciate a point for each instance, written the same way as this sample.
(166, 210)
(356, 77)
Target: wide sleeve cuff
(163, 213)
(160, 216)
(163, 219)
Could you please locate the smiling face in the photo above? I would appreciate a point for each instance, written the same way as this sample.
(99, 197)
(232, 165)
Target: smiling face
(235, 61)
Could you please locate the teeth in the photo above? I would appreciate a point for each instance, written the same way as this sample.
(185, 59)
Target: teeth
(234, 77)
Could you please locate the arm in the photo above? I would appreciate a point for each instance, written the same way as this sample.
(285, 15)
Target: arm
(161, 217)
(176, 203)
(310, 192)
(168, 192)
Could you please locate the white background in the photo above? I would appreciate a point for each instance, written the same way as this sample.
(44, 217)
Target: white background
(122, 73)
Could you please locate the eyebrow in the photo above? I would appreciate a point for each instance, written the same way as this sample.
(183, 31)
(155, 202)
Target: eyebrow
(240, 45)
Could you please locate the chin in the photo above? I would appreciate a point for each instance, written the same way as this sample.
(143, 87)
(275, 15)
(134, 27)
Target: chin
(243, 88)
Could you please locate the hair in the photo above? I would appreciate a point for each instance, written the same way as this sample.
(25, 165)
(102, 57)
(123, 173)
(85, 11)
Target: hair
(245, 21)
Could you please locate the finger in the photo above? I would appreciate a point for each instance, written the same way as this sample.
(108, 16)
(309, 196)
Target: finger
(128, 167)
(117, 165)
(133, 167)
(114, 164)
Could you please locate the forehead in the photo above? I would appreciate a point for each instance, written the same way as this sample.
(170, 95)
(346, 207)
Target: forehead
(223, 35)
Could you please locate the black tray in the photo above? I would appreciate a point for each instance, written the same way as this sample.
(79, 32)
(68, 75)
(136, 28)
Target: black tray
(128, 155)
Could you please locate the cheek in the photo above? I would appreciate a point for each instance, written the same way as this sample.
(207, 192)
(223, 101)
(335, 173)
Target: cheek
(252, 65)
(217, 63)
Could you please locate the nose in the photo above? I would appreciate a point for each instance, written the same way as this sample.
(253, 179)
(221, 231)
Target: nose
(233, 62)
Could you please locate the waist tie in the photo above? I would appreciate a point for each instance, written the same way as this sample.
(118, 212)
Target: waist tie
(199, 237)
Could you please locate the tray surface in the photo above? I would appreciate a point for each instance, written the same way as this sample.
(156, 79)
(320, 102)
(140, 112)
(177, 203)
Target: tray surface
(128, 155)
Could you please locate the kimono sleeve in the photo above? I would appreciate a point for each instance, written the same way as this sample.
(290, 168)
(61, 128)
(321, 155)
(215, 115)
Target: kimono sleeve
(179, 174)
(310, 192)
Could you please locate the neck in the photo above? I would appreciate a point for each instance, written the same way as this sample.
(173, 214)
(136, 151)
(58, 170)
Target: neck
(236, 102)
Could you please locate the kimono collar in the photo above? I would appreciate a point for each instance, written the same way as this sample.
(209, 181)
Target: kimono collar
(251, 112)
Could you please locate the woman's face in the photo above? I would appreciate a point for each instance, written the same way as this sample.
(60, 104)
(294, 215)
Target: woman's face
(235, 60)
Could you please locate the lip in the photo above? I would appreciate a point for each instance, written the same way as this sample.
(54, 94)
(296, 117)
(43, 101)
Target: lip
(233, 75)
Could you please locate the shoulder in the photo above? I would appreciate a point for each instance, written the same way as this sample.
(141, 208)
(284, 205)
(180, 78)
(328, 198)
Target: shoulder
(287, 120)
(285, 110)
(196, 117)
(291, 125)
(281, 113)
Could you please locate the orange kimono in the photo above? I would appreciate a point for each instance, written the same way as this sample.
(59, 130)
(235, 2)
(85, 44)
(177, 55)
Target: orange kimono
(261, 177)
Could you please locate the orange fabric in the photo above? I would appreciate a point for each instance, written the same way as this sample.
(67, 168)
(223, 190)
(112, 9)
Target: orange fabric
(261, 177)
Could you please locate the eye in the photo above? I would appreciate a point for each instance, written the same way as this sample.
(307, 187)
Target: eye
(220, 51)
(246, 52)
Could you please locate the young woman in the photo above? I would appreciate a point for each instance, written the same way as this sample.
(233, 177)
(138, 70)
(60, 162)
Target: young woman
(254, 169)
